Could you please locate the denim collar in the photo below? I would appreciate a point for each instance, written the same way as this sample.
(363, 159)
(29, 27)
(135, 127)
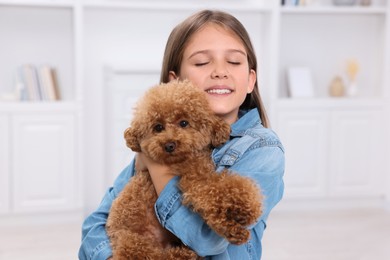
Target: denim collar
(246, 119)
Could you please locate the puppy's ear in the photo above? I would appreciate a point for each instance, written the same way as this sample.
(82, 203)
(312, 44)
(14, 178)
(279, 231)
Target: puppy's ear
(220, 131)
(131, 138)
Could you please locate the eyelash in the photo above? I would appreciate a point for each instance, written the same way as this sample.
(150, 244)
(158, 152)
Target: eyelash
(201, 64)
(205, 63)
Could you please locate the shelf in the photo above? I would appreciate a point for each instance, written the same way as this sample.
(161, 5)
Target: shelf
(41, 3)
(358, 10)
(57, 106)
(249, 5)
(343, 102)
(254, 6)
(38, 35)
(325, 44)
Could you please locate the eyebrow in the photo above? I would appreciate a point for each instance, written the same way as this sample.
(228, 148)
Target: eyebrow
(207, 51)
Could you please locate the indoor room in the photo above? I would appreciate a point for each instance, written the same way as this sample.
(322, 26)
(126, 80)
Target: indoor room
(72, 72)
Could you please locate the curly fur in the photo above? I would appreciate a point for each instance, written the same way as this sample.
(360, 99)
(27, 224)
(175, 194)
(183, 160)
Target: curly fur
(173, 124)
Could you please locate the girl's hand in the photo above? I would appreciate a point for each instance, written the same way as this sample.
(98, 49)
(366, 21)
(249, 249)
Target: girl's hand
(139, 163)
(159, 173)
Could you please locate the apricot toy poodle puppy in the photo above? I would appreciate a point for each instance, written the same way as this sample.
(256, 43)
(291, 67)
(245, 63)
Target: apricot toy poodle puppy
(173, 124)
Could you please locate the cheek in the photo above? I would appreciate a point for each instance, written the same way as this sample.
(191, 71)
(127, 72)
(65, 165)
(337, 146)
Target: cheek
(196, 76)
(150, 145)
(196, 139)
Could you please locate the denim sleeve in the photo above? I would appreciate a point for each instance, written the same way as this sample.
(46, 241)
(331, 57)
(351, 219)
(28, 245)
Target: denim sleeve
(95, 243)
(265, 165)
(188, 226)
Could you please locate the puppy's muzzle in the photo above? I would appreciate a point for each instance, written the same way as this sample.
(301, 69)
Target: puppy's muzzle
(170, 147)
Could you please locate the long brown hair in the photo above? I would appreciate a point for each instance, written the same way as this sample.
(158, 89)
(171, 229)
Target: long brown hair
(181, 34)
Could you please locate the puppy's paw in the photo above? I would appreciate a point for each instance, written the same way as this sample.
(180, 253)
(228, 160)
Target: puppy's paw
(243, 214)
(237, 235)
(241, 202)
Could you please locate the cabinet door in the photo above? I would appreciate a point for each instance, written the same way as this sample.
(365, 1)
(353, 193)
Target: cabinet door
(44, 162)
(356, 153)
(4, 164)
(304, 135)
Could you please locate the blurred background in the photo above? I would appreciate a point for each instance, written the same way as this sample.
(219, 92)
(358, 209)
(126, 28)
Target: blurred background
(71, 71)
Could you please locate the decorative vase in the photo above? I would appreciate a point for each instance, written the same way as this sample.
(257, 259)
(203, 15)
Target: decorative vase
(344, 2)
(365, 2)
(337, 87)
(352, 89)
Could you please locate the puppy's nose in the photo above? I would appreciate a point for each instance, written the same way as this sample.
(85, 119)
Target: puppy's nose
(170, 147)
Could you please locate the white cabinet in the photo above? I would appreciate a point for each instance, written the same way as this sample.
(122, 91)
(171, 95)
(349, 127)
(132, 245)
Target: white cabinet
(39, 160)
(43, 164)
(356, 153)
(4, 164)
(332, 151)
(304, 136)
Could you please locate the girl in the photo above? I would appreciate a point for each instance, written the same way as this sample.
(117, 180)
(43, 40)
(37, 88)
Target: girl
(213, 50)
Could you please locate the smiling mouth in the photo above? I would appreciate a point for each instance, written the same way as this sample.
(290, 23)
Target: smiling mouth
(219, 91)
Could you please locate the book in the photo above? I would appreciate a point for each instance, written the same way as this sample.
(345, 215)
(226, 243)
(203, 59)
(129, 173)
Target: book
(49, 84)
(37, 84)
(30, 79)
(20, 86)
(56, 89)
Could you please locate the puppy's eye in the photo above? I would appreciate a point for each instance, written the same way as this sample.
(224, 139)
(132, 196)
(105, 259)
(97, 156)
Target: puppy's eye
(183, 123)
(158, 128)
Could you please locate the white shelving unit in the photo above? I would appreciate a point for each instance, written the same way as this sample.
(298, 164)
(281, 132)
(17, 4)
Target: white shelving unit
(41, 149)
(335, 147)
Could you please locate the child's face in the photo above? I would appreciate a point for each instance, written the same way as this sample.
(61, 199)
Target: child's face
(215, 60)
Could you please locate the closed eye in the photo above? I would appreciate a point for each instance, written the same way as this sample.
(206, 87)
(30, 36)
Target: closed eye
(234, 62)
(199, 64)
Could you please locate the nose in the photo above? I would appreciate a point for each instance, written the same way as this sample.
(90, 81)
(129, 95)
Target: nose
(219, 72)
(170, 147)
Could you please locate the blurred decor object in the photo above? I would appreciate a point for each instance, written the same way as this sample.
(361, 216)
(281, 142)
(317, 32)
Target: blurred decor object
(337, 87)
(344, 2)
(300, 82)
(365, 2)
(352, 70)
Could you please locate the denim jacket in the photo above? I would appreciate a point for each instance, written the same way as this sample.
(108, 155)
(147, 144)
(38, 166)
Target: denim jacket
(252, 151)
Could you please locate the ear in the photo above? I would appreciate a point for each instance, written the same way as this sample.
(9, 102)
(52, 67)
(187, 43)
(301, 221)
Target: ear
(220, 131)
(131, 138)
(251, 81)
(172, 75)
